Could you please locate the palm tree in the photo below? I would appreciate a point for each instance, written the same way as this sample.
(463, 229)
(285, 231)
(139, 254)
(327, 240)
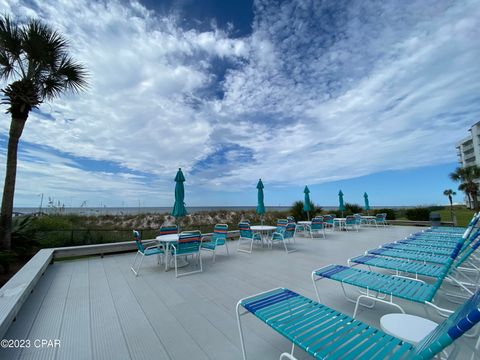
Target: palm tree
(34, 59)
(449, 193)
(467, 177)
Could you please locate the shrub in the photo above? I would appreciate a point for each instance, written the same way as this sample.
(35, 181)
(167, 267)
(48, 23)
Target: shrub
(297, 211)
(351, 209)
(418, 214)
(390, 213)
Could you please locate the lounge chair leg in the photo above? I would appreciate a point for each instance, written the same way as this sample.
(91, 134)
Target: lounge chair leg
(287, 356)
(293, 349)
(375, 299)
(240, 331)
(226, 247)
(315, 286)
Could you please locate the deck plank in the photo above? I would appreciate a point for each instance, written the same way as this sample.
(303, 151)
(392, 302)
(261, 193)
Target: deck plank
(76, 322)
(108, 340)
(139, 334)
(50, 315)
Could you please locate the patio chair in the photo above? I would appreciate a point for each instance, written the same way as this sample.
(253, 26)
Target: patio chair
(247, 235)
(380, 219)
(358, 219)
(380, 287)
(168, 230)
(351, 222)
(328, 220)
(317, 227)
(219, 238)
(325, 333)
(282, 222)
(189, 243)
(143, 251)
(283, 234)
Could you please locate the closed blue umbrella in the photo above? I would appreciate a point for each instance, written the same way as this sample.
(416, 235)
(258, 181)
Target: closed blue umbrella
(260, 205)
(179, 209)
(306, 204)
(367, 204)
(341, 205)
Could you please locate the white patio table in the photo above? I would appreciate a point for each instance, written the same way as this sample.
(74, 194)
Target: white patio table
(305, 225)
(340, 222)
(369, 219)
(167, 240)
(263, 230)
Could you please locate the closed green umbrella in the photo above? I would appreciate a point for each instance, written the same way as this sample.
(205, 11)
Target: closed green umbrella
(341, 205)
(260, 206)
(306, 204)
(367, 205)
(179, 206)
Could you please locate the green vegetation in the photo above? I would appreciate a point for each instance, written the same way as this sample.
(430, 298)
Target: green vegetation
(461, 212)
(418, 214)
(297, 211)
(391, 214)
(467, 176)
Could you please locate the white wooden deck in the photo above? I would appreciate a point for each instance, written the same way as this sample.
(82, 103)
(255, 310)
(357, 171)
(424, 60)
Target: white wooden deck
(98, 309)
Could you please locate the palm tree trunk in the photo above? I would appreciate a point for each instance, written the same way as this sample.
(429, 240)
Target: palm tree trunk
(451, 206)
(469, 197)
(475, 200)
(16, 129)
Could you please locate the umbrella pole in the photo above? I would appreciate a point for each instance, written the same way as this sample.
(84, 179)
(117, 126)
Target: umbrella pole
(308, 215)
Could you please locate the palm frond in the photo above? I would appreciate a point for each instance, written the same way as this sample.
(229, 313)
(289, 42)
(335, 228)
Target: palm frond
(74, 73)
(10, 46)
(40, 59)
(69, 76)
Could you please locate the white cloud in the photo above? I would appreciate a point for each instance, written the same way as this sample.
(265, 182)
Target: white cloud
(314, 94)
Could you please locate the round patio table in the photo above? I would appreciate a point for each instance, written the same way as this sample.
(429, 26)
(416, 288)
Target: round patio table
(167, 240)
(263, 230)
(340, 223)
(304, 226)
(407, 327)
(369, 219)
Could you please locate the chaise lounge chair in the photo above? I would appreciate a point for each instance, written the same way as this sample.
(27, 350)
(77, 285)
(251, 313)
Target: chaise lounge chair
(325, 333)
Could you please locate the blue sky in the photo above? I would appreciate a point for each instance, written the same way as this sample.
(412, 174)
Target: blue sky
(352, 95)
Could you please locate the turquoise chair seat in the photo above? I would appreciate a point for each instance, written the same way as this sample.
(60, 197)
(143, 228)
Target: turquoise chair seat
(218, 238)
(387, 284)
(153, 251)
(412, 267)
(410, 255)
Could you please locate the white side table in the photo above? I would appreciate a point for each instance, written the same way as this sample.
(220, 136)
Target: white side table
(409, 328)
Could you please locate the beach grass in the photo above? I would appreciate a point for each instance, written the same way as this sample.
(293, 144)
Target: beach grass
(463, 214)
